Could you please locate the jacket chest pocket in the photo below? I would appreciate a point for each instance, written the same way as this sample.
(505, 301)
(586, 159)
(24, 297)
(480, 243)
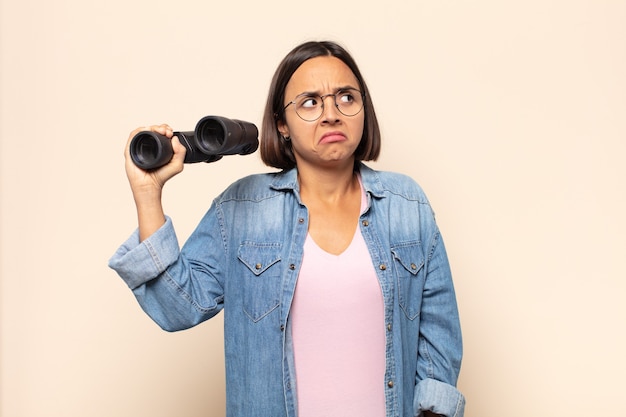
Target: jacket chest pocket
(409, 264)
(261, 278)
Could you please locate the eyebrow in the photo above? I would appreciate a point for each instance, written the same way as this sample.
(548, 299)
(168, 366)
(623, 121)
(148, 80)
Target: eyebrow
(318, 93)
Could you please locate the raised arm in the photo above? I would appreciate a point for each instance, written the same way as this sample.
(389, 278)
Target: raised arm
(147, 186)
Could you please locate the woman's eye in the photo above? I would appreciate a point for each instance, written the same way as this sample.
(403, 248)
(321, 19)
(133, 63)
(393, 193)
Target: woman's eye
(309, 102)
(346, 98)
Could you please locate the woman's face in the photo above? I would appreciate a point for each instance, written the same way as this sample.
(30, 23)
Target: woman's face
(331, 140)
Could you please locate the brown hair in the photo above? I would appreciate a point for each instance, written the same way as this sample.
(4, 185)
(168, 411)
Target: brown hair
(275, 150)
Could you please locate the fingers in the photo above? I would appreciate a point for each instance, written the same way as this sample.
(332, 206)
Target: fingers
(163, 129)
(178, 158)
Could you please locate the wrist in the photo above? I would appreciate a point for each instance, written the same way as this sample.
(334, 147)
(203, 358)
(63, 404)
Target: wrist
(147, 195)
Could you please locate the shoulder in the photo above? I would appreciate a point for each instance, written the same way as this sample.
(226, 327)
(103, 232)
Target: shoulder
(387, 183)
(254, 187)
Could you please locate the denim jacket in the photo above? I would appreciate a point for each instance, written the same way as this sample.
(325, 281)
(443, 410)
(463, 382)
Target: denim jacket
(244, 258)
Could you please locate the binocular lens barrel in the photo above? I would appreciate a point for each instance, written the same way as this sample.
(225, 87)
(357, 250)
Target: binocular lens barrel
(220, 136)
(150, 150)
(213, 137)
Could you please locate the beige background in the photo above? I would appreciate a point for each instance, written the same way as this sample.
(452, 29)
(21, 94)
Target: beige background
(511, 114)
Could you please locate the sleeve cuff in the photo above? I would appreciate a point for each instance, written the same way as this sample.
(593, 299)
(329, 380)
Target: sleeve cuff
(139, 262)
(439, 398)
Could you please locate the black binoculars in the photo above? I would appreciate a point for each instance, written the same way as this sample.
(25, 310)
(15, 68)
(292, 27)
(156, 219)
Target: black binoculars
(213, 138)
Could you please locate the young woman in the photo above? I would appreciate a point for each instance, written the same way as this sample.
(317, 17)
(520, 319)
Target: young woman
(336, 289)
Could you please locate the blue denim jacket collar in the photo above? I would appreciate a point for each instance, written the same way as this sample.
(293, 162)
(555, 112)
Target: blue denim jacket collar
(288, 180)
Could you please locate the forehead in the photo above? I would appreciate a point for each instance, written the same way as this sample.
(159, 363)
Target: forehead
(321, 74)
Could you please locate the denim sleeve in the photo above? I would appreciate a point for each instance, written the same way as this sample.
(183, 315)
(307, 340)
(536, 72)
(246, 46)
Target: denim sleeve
(173, 288)
(439, 398)
(440, 342)
(139, 262)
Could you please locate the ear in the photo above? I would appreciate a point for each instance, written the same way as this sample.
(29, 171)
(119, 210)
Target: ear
(282, 128)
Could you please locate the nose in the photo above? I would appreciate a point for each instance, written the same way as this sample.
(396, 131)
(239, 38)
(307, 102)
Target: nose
(330, 113)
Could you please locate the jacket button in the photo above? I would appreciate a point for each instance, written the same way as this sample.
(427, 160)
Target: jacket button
(389, 327)
(258, 266)
(383, 267)
(282, 327)
(301, 220)
(390, 384)
(413, 266)
(292, 267)
(366, 223)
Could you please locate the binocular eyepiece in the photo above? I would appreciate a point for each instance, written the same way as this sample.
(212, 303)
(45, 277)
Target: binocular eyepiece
(213, 138)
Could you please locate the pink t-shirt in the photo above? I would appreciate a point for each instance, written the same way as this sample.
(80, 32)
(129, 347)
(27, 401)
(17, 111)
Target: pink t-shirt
(338, 333)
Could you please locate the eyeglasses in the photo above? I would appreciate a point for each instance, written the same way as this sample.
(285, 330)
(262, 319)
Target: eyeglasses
(310, 107)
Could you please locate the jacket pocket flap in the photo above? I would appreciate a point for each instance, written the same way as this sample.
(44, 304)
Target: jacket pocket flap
(258, 257)
(410, 256)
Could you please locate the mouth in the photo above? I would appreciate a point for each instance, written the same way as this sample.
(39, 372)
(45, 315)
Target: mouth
(332, 137)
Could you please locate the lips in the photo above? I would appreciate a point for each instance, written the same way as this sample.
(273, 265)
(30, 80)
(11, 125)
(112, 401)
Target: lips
(331, 137)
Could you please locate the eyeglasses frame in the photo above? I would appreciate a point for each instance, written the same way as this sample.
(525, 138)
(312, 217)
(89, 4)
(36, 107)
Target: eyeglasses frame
(323, 97)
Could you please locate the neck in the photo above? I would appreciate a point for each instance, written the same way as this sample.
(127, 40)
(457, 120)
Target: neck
(330, 184)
